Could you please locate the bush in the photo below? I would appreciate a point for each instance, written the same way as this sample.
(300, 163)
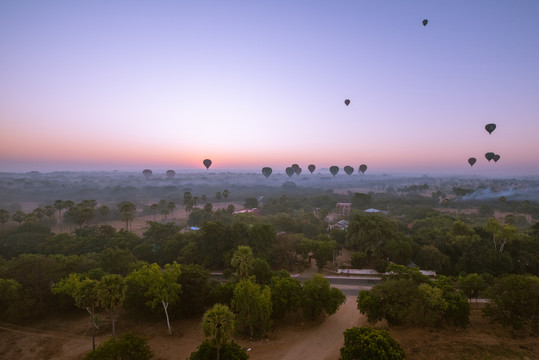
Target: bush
(366, 344)
(514, 302)
(127, 347)
(229, 351)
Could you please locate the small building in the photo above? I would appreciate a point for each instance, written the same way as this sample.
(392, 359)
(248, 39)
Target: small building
(343, 209)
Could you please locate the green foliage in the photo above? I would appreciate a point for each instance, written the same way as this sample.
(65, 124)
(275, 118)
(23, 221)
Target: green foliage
(286, 295)
(261, 271)
(218, 324)
(405, 300)
(471, 285)
(514, 302)
(208, 351)
(358, 259)
(242, 260)
(11, 300)
(319, 297)
(368, 344)
(369, 233)
(252, 304)
(126, 347)
(196, 289)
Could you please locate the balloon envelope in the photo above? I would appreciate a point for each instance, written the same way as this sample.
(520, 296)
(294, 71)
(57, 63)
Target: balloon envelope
(347, 102)
(171, 173)
(266, 171)
(425, 22)
(472, 161)
(348, 169)
(333, 170)
(496, 158)
(147, 173)
(489, 156)
(289, 171)
(311, 168)
(363, 168)
(207, 163)
(297, 170)
(490, 128)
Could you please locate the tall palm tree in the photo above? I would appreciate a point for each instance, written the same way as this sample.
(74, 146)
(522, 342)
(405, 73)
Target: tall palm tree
(242, 260)
(217, 324)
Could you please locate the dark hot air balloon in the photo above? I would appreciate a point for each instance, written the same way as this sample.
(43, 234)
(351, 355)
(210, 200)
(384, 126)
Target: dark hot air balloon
(333, 170)
(348, 169)
(425, 22)
(297, 170)
(289, 171)
(147, 173)
(472, 161)
(489, 156)
(266, 171)
(363, 168)
(496, 158)
(490, 128)
(347, 102)
(171, 173)
(207, 163)
(311, 168)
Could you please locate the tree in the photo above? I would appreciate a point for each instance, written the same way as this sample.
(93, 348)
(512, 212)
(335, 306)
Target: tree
(84, 292)
(128, 210)
(471, 285)
(242, 260)
(253, 308)
(59, 205)
(367, 344)
(111, 294)
(229, 351)
(11, 300)
(286, 295)
(127, 347)
(18, 216)
(4, 216)
(226, 193)
(319, 297)
(188, 201)
(250, 203)
(218, 196)
(217, 324)
(514, 301)
(160, 285)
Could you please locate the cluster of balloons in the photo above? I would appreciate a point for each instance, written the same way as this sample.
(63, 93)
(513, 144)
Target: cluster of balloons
(490, 155)
(296, 169)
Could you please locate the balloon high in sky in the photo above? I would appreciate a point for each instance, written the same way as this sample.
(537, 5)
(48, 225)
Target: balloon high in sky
(129, 85)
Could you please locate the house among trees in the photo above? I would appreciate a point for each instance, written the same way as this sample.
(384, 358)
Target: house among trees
(343, 209)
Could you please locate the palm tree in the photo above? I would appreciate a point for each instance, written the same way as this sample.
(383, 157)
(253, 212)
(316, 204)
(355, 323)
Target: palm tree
(225, 195)
(217, 324)
(242, 260)
(127, 209)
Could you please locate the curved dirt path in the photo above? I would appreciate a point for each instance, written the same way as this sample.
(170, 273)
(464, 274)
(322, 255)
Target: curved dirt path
(319, 341)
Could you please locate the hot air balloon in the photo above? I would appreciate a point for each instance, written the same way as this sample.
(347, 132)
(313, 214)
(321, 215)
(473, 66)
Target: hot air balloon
(348, 169)
(171, 173)
(207, 163)
(496, 158)
(311, 168)
(472, 161)
(266, 171)
(489, 156)
(333, 170)
(297, 170)
(147, 173)
(347, 102)
(425, 22)
(289, 171)
(490, 128)
(363, 168)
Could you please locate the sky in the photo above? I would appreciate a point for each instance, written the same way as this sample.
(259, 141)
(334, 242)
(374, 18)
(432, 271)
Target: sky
(129, 85)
